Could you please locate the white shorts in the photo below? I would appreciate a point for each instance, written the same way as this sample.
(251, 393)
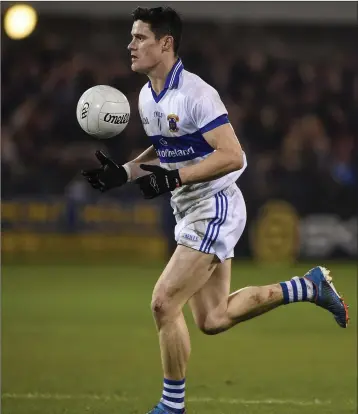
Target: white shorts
(213, 225)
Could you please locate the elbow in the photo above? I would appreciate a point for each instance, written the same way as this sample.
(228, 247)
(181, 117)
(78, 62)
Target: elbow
(237, 160)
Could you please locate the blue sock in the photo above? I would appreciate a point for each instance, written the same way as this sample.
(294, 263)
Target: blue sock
(173, 396)
(298, 289)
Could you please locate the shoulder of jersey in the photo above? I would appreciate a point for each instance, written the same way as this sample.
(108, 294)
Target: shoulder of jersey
(193, 85)
(145, 92)
(190, 84)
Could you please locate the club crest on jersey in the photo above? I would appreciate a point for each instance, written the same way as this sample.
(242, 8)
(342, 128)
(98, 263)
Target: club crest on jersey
(173, 119)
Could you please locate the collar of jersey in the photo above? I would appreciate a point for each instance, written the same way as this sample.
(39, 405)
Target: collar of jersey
(171, 82)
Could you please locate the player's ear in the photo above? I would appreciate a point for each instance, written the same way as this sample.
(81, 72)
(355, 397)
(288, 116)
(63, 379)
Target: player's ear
(167, 43)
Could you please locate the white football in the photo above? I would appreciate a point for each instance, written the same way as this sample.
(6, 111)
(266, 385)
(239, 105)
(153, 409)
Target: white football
(103, 111)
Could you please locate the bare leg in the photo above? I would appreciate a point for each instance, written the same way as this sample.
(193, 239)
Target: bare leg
(249, 302)
(215, 310)
(174, 341)
(187, 271)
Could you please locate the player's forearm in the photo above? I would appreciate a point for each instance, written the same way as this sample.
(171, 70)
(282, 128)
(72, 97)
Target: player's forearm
(216, 165)
(146, 156)
(149, 156)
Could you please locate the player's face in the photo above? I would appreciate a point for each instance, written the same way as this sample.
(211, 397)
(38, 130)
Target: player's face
(146, 51)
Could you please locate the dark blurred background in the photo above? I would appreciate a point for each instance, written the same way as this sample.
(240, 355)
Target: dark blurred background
(288, 76)
(78, 268)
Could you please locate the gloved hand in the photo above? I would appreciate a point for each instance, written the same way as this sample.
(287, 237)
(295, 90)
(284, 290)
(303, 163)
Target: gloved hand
(109, 175)
(159, 182)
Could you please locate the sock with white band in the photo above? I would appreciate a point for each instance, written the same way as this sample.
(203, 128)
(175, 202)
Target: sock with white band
(173, 396)
(298, 289)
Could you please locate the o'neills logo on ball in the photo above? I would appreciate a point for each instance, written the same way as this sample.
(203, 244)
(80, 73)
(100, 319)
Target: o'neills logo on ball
(84, 111)
(116, 119)
(167, 153)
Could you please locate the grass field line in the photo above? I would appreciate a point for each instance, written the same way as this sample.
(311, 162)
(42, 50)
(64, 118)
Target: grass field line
(102, 397)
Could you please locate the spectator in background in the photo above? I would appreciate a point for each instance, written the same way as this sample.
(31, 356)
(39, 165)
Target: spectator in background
(291, 102)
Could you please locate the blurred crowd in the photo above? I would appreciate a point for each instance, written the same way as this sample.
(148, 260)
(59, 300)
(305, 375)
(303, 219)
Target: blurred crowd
(291, 94)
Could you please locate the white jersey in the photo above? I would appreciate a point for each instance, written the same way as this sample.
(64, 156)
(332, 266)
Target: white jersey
(175, 121)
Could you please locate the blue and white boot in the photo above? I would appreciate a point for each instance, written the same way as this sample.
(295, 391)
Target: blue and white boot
(327, 296)
(160, 409)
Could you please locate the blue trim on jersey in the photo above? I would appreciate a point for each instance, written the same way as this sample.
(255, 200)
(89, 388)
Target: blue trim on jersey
(220, 120)
(156, 97)
(171, 82)
(182, 148)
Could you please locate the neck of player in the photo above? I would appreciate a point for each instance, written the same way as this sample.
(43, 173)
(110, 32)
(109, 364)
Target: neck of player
(159, 73)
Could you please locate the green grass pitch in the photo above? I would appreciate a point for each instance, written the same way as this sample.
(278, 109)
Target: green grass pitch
(81, 339)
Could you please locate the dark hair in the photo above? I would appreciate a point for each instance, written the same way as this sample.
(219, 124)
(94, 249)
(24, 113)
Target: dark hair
(163, 21)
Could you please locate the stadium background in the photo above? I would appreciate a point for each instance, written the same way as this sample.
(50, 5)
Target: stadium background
(78, 268)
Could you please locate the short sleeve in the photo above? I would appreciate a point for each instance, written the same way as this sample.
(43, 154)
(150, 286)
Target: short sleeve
(208, 111)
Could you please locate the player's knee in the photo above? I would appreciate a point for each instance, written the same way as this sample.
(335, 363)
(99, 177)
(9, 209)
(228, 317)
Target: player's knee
(210, 325)
(162, 307)
(158, 306)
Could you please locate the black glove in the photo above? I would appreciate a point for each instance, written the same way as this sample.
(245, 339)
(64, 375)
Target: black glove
(108, 176)
(159, 182)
